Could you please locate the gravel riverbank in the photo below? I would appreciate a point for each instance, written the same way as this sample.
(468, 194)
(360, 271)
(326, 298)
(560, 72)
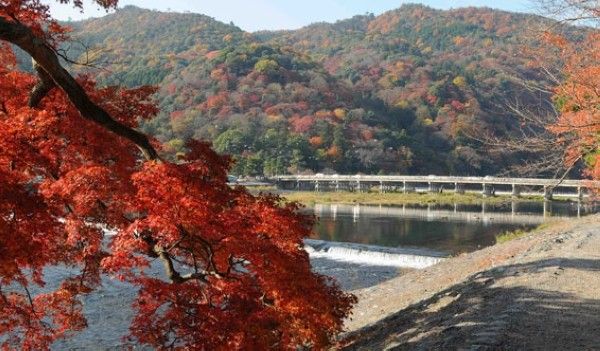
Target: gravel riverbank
(538, 292)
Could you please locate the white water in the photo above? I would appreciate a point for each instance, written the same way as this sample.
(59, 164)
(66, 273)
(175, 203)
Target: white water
(372, 255)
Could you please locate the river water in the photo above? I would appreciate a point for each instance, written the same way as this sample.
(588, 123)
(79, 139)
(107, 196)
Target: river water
(452, 229)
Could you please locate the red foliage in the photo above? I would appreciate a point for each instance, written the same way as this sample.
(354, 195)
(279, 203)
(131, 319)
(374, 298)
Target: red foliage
(216, 102)
(213, 54)
(431, 99)
(242, 279)
(316, 141)
(302, 124)
(366, 134)
(171, 88)
(457, 105)
(176, 115)
(334, 152)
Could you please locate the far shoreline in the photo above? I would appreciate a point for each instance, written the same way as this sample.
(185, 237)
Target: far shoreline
(310, 198)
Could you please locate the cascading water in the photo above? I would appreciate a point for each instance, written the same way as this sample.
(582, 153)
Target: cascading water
(372, 255)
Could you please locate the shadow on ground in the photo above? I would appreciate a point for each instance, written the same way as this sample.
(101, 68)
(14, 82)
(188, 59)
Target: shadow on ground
(482, 314)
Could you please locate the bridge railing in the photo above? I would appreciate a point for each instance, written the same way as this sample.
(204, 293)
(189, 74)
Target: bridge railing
(489, 180)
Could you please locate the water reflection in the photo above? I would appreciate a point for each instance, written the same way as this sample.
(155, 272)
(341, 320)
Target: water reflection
(452, 228)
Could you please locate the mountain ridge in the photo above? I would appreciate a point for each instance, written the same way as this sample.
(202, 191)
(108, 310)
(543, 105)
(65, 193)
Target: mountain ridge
(396, 93)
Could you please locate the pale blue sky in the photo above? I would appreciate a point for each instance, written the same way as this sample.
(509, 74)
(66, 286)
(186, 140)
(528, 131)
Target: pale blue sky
(252, 15)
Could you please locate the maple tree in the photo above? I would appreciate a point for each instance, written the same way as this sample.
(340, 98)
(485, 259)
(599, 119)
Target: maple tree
(73, 167)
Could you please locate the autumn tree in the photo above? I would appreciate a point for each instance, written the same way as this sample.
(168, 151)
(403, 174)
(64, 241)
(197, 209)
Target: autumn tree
(73, 167)
(560, 128)
(577, 99)
(577, 94)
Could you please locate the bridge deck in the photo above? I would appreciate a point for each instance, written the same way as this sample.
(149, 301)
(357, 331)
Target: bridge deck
(441, 179)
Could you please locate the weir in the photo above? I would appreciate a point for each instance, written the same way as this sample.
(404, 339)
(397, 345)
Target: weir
(372, 255)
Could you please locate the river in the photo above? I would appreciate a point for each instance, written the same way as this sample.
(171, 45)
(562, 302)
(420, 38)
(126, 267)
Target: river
(452, 229)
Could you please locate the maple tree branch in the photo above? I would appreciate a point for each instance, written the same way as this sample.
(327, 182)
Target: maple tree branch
(175, 276)
(172, 273)
(45, 56)
(43, 86)
(29, 298)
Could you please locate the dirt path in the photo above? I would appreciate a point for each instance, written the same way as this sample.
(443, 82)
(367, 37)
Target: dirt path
(539, 292)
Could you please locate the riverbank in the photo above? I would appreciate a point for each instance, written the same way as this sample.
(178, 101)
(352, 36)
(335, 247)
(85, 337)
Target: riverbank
(538, 291)
(310, 198)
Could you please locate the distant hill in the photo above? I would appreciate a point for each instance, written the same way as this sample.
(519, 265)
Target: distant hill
(397, 93)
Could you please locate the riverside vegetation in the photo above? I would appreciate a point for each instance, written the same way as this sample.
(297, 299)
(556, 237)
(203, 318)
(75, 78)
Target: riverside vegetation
(519, 233)
(312, 197)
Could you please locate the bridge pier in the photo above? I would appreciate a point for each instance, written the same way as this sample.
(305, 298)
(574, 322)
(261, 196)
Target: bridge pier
(407, 188)
(359, 186)
(459, 188)
(516, 191)
(547, 192)
(488, 190)
(435, 188)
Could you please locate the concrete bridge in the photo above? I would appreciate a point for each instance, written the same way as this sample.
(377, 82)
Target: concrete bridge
(487, 186)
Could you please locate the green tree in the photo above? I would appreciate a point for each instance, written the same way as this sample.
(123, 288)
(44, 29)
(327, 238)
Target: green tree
(254, 165)
(266, 66)
(232, 142)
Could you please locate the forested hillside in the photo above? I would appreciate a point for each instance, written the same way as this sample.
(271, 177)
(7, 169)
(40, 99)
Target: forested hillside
(403, 92)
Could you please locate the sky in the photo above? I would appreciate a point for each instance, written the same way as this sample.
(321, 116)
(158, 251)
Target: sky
(253, 15)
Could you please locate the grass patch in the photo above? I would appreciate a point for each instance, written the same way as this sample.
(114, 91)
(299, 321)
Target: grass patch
(511, 235)
(519, 233)
(311, 198)
(262, 188)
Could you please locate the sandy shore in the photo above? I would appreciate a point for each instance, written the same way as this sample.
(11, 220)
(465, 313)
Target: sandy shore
(538, 292)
